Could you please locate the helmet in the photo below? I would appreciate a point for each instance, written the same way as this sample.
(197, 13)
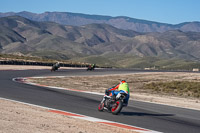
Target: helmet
(122, 81)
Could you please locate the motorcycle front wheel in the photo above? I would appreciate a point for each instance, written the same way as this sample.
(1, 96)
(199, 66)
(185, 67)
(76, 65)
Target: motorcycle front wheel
(101, 106)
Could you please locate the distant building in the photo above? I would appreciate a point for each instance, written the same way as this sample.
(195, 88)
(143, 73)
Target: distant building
(152, 68)
(195, 69)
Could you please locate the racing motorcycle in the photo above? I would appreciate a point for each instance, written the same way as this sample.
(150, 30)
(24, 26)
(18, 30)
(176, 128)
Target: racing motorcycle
(55, 67)
(112, 104)
(90, 68)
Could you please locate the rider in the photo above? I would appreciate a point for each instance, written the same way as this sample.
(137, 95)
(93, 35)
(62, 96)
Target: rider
(122, 88)
(93, 66)
(57, 64)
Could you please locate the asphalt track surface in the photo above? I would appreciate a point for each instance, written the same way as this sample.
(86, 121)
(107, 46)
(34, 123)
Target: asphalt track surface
(146, 115)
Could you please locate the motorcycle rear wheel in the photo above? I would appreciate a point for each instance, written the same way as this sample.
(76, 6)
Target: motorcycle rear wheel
(117, 107)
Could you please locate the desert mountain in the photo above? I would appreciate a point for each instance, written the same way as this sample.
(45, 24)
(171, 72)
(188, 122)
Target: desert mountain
(121, 22)
(19, 34)
(52, 40)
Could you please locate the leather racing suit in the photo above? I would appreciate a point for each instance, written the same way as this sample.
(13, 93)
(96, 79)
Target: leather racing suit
(122, 87)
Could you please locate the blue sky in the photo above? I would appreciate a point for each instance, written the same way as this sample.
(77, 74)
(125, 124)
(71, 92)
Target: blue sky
(166, 11)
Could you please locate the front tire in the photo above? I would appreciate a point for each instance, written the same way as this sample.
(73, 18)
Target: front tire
(101, 107)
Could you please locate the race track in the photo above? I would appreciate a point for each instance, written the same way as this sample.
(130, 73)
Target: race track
(146, 115)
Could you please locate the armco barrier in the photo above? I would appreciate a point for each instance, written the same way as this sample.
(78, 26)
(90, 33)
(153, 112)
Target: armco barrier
(38, 64)
(14, 62)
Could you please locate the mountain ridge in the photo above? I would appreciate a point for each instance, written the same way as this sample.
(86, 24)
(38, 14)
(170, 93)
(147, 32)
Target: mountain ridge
(121, 22)
(100, 41)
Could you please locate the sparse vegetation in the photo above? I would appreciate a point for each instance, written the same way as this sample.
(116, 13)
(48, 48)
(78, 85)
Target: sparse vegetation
(117, 61)
(168, 83)
(178, 88)
(129, 61)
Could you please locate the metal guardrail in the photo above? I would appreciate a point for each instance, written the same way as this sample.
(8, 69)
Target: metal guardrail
(38, 64)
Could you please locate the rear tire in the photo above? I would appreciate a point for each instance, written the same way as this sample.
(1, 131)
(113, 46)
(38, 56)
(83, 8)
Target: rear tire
(117, 107)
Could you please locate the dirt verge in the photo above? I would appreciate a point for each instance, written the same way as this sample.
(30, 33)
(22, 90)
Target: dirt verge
(20, 118)
(30, 67)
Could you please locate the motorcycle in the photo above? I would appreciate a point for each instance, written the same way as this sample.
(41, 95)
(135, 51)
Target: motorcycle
(54, 68)
(112, 104)
(90, 68)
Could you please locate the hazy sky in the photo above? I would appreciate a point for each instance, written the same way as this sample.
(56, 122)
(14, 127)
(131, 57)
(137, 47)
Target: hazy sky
(166, 11)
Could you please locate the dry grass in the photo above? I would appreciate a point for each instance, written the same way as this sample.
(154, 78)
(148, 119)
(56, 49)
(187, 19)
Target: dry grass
(177, 88)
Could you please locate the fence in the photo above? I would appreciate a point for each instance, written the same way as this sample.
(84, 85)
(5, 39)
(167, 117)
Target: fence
(10, 62)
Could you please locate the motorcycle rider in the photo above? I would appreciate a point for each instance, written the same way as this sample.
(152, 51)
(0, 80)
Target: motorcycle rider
(57, 64)
(122, 88)
(93, 66)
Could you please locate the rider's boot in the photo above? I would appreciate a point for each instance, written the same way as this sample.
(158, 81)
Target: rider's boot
(125, 103)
